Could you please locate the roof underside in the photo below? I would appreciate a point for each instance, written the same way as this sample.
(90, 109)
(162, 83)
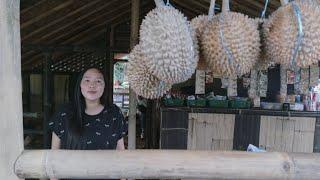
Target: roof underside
(61, 27)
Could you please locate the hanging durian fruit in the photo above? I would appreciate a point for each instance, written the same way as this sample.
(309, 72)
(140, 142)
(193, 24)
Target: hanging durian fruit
(292, 33)
(231, 43)
(141, 81)
(199, 24)
(169, 43)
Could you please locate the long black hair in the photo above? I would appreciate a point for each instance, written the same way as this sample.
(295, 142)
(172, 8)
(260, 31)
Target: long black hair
(75, 121)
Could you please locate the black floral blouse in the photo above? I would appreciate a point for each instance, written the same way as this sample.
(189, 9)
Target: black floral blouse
(101, 131)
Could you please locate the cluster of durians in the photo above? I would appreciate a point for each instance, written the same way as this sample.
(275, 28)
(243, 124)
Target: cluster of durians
(281, 32)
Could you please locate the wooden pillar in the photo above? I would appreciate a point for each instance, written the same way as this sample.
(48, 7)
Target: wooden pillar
(47, 78)
(135, 4)
(11, 129)
(108, 67)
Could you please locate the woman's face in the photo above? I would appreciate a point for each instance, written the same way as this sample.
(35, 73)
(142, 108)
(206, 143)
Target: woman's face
(92, 85)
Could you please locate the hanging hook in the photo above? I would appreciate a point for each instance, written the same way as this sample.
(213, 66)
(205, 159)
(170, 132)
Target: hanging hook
(168, 3)
(263, 14)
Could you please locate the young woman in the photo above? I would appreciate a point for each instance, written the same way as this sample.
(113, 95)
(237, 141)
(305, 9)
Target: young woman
(88, 123)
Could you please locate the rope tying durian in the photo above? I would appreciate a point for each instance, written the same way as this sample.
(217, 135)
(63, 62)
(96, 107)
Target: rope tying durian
(297, 13)
(230, 43)
(286, 42)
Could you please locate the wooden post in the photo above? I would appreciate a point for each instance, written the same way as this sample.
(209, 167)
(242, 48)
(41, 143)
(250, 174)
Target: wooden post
(135, 4)
(167, 164)
(47, 97)
(11, 129)
(109, 67)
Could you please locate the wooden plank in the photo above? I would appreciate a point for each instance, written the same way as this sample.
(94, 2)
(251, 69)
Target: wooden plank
(263, 131)
(303, 142)
(288, 134)
(229, 129)
(191, 118)
(267, 132)
(278, 141)
(200, 128)
(11, 129)
(303, 134)
(211, 131)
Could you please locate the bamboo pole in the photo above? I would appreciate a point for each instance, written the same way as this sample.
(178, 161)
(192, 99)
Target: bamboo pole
(170, 164)
(135, 4)
(11, 130)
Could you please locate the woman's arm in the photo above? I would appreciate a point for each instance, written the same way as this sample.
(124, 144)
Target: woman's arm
(55, 144)
(120, 144)
(55, 141)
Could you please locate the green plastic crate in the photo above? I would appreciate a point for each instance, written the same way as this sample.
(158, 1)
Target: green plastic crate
(197, 103)
(174, 102)
(218, 103)
(238, 104)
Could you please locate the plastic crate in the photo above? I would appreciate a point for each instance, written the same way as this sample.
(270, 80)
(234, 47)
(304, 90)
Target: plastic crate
(197, 103)
(174, 102)
(218, 103)
(238, 104)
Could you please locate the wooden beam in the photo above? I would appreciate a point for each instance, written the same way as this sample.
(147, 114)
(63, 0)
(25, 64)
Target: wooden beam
(92, 33)
(58, 20)
(46, 11)
(35, 6)
(167, 164)
(99, 23)
(88, 20)
(11, 129)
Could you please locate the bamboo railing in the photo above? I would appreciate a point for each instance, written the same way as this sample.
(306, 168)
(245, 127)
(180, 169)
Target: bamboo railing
(170, 164)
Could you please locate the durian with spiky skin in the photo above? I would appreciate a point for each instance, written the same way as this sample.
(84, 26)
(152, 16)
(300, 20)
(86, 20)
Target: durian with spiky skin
(281, 32)
(141, 81)
(199, 24)
(231, 44)
(169, 43)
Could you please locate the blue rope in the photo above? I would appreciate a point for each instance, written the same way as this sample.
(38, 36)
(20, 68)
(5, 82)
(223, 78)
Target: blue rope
(263, 14)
